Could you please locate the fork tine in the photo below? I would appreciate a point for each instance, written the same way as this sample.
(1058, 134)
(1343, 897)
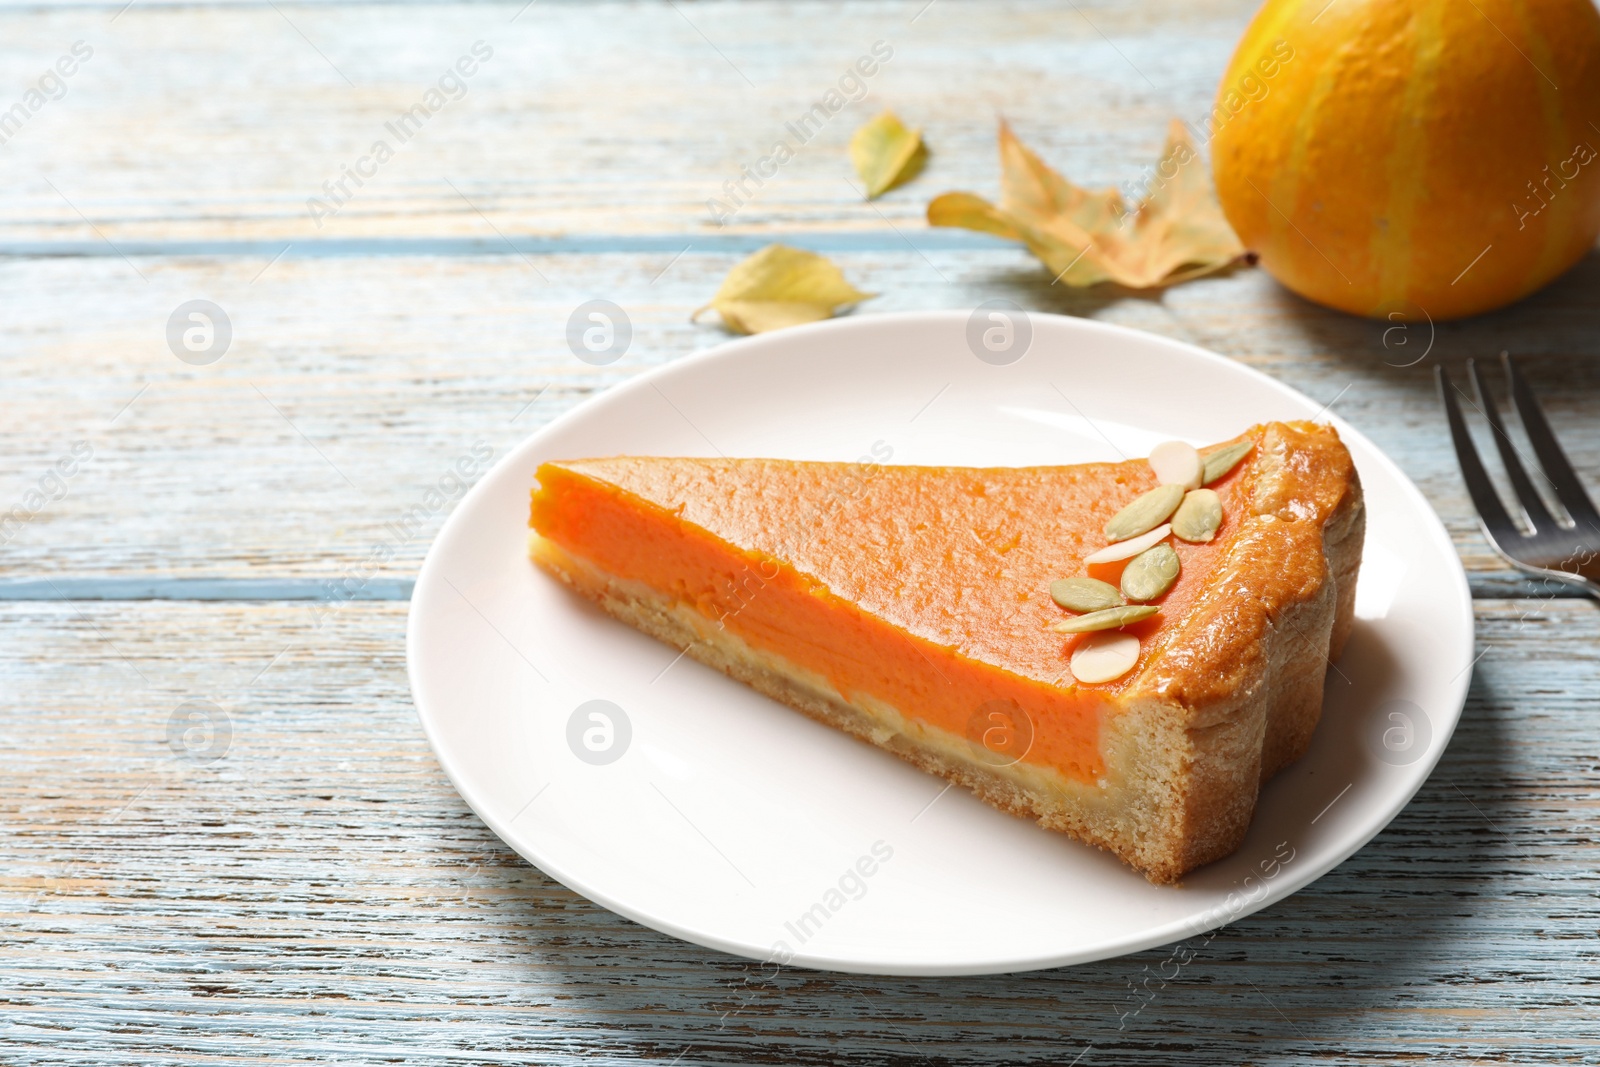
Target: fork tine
(1493, 513)
(1533, 508)
(1569, 490)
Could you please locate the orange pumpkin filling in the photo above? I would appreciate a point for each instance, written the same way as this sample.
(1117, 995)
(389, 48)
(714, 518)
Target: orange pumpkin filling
(923, 588)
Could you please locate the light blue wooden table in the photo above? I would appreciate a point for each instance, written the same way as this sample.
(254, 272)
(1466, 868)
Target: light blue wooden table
(222, 835)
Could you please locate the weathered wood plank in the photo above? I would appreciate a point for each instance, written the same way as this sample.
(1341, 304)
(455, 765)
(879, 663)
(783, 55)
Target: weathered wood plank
(318, 891)
(586, 118)
(353, 384)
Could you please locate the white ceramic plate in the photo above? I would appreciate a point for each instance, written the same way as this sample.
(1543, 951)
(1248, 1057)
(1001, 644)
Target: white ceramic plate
(734, 822)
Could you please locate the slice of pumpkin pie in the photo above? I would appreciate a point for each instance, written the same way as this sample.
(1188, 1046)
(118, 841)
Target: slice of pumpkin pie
(1122, 652)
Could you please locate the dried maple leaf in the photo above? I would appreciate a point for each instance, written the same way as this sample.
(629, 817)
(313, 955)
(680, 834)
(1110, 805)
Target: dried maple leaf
(887, 154)
(1176, 232)
(781, 286)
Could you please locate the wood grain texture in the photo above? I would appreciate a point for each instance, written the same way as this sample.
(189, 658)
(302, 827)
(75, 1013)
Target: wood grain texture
(318, 892)
(224, 121)
(352, 384)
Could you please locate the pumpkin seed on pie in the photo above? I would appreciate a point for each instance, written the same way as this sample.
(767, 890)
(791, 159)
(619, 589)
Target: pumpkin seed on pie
(1146, 513)
(1198, 517)
(1085, 594)
(1150, 573)
(1109, 619)
(1224, 460)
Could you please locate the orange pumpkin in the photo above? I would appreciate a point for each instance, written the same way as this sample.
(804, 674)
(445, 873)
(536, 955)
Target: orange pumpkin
(1413, 158)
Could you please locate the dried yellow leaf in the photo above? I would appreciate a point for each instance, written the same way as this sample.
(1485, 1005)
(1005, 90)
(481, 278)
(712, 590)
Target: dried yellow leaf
(1177, 231)
(781, 286)
(887, 154)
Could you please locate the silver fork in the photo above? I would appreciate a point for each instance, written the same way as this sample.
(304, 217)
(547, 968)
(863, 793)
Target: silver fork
(1552, 548)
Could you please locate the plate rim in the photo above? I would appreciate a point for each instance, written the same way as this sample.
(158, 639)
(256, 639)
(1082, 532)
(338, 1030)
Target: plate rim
(1145, 938)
